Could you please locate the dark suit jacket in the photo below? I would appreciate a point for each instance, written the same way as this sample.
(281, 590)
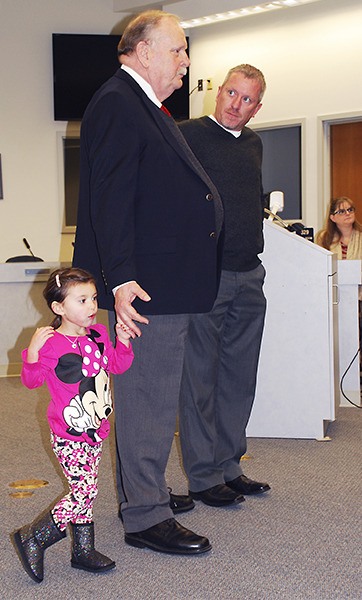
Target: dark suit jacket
(146, 208)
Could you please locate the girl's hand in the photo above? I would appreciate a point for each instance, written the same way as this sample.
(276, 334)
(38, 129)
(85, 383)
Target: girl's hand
(123, 333)
(41, 335)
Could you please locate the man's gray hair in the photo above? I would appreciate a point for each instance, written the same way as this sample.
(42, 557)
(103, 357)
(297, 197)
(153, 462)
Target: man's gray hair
(140, 28)
(250, 72)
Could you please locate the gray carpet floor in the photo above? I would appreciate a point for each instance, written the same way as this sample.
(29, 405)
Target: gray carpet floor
(301, 540)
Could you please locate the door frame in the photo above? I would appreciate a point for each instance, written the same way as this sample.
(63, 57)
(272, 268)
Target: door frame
(324, 155)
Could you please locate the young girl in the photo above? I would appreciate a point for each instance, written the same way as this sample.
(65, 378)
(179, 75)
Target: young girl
(74, 357)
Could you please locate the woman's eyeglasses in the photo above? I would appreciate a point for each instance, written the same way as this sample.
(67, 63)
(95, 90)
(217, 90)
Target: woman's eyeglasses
(343, 211)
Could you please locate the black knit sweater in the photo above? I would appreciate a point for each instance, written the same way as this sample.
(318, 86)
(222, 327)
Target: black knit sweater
(234, 165)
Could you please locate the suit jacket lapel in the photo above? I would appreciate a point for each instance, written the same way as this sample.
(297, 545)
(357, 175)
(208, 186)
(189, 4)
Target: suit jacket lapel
(174, 137)
(182, 145)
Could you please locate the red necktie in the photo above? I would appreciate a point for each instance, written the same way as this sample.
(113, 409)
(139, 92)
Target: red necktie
(165, 110)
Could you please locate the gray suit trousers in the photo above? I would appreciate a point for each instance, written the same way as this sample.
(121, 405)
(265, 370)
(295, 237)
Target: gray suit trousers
(219, 379)
(146, 403)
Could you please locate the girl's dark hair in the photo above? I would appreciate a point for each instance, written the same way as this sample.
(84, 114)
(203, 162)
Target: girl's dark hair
(57, 287)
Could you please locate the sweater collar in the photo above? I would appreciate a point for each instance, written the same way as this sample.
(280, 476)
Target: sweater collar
(234, 133)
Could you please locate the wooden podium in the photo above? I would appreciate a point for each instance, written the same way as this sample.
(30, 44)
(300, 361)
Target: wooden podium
(297, 386)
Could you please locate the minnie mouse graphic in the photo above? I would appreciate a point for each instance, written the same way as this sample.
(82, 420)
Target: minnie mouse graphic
(93, 403)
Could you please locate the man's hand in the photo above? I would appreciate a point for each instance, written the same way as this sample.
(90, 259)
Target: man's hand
(125, 313)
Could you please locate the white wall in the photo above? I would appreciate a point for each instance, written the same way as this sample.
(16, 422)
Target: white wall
(28, 133)
(311, 57)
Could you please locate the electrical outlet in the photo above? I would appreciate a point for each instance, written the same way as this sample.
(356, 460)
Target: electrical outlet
(209, 84)
(200, 85)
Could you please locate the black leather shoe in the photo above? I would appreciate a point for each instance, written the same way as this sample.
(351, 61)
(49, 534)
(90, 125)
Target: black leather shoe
(244, 485)
(219, 495)
(180, 503)
(170, 537)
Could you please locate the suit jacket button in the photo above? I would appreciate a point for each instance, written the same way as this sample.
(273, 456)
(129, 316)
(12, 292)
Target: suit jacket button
(209, 197)
(212, 234)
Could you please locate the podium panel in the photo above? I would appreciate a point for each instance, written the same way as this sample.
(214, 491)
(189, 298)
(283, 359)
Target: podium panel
(349, 280)
(298, 369)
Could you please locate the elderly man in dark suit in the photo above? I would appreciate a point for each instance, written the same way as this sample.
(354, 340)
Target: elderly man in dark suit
(148, 225)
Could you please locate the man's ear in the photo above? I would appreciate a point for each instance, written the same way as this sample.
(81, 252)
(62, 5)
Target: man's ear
(257, 109)
(57, 308)
(143, 53)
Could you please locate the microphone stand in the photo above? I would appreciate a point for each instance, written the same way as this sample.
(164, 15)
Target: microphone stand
(27, 245)
(276, 217)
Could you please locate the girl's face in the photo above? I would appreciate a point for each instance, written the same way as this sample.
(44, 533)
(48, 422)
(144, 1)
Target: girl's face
(78, 309)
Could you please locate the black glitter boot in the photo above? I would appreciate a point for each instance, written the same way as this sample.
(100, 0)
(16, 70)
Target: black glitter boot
(84, 556)
(32, 540)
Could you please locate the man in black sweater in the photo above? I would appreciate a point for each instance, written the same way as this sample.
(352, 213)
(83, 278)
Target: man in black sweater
(223, 347)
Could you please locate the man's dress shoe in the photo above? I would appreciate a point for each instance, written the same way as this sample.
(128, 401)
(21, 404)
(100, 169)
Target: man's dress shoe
(170, 537)
(178, 504)
(246, 486)
(219, 495)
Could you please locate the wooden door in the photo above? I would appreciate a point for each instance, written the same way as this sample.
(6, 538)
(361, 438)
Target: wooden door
(346, 162)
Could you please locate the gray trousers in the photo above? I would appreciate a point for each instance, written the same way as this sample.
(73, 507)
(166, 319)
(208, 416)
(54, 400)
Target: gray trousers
(219, 379)
(146, 403)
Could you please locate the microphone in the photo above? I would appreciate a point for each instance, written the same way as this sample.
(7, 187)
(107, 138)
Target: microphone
(25, 258)
(276, 202)
(298, 228)
(27, 245)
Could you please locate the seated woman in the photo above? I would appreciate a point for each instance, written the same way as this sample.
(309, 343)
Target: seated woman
(342, 233)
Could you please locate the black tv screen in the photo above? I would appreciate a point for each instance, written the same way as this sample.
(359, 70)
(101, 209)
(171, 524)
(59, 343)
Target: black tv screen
(82, 63)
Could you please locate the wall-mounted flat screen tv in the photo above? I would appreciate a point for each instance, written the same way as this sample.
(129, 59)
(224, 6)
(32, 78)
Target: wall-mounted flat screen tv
(82, 63)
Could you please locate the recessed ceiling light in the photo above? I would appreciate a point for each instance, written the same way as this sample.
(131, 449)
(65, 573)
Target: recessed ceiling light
(243, 12)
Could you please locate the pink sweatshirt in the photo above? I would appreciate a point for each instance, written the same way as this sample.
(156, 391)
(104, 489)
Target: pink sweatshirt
(78, 382)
